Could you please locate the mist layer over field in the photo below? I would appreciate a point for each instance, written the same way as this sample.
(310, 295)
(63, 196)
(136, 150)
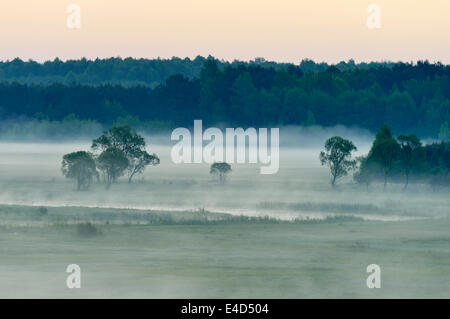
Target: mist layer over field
(30, 175)
(176, 232)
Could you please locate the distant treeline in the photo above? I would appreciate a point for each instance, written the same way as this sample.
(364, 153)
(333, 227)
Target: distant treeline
(408, 97)
(71, 128)
(132, 72)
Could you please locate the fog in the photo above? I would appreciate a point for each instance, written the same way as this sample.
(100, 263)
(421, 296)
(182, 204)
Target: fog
(30, 177)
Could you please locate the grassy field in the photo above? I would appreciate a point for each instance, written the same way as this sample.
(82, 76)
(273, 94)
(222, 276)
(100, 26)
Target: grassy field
(176, 233)
(222, 259)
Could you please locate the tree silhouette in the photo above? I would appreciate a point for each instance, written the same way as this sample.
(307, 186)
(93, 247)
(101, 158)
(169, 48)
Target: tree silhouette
(79, 166)
(220, 170)
(337, 156)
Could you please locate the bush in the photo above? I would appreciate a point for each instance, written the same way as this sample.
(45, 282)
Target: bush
(87, 229)
(42, 211)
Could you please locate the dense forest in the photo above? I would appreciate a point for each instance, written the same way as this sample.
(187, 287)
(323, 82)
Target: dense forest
(409, 97)
(132, 72)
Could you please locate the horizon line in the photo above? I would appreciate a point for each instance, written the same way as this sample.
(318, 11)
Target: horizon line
(255, 59)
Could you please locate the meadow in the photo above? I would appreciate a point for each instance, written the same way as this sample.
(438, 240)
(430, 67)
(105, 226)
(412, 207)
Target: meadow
(177, 233)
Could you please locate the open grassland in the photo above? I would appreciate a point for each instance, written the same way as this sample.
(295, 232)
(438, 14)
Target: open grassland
(227, 258)
(177, 233)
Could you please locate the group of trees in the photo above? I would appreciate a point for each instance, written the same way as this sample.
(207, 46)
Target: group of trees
(132, 72)
(401, 159)
(406, 96)
(125, 72)
(404, 159)
(115, 152)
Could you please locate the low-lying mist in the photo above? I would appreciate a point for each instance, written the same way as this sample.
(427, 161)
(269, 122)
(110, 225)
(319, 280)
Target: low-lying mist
(176, 232)
(30, 175)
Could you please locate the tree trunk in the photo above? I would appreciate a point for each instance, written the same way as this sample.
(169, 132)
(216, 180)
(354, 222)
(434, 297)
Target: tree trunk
(407, 181)
(333, 181)
(131, 176)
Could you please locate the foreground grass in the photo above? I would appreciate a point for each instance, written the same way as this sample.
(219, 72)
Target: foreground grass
(30, 216)
(229, 259)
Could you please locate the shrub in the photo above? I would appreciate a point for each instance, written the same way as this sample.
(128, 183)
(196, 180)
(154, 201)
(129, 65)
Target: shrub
(87, 229)
(42, 211)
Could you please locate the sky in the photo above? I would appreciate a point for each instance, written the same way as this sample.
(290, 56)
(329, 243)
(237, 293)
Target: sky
(279, 30)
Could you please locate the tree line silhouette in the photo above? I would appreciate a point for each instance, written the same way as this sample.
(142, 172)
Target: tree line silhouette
(402, 159)
(408, 97)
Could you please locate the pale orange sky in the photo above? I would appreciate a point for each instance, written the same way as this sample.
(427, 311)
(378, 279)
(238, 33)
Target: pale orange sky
(281, 30)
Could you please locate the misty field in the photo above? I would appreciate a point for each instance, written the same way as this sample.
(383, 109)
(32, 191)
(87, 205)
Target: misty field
(177, 233)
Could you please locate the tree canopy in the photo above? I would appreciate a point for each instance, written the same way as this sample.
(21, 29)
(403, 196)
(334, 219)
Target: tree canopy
(403, 160)
(220, 170)
(81, 167)
(408, 97)
(133, 145)
(337, 156)
(112, 162)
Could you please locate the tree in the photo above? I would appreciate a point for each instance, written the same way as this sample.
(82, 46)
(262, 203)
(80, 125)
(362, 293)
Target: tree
(112, 162)
(364, 174)
(121, 137)
(444, 132)
(337, 156)
(131, 144)
(401, 110)
(244, 99)
(221, 170)
(408, 145)
(81, 167)
(385, 152)
(310, 120)
(139, 161)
